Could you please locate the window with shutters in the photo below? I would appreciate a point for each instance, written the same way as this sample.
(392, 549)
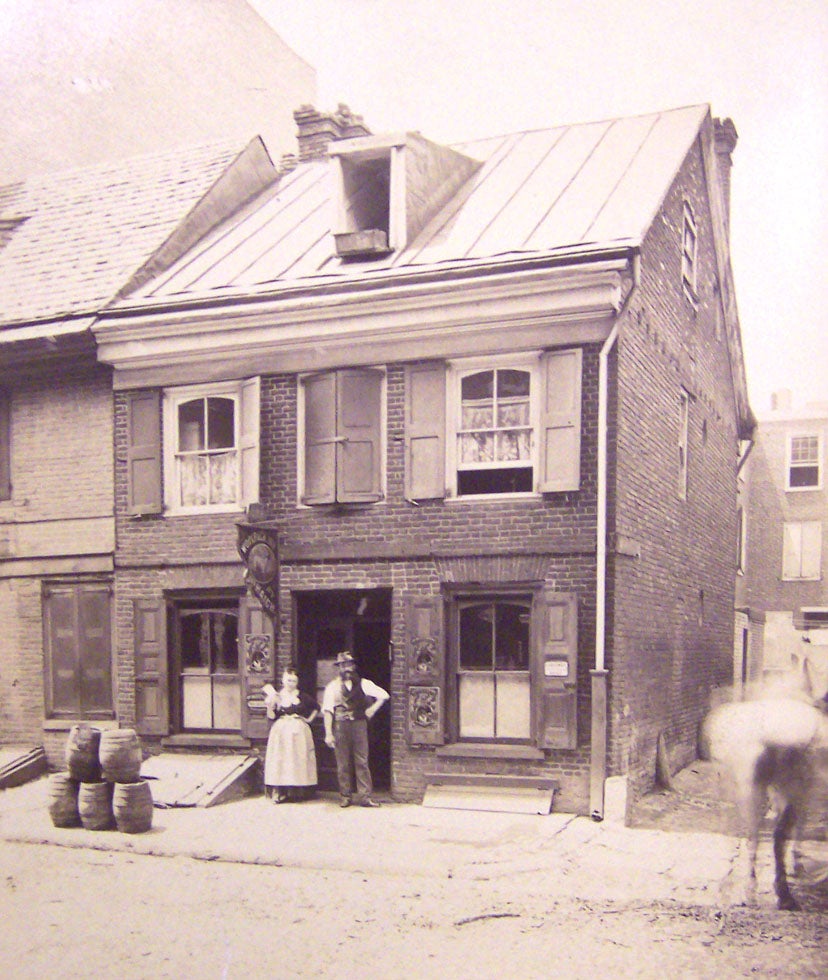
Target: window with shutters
(211, 447)
(513, 425)
(341, 437)
(512, 668)
(804, 471)
(78, 650)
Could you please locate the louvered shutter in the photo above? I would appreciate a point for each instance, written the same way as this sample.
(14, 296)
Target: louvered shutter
(95, 658)
(425, 431)
(320, 439)
(257, 655)
(359, 442)
(249, 441)
(560, 449)
(425, 669)
(151, 696)
(555, 671)
(144, 452)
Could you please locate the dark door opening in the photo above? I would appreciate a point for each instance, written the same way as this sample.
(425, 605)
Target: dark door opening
(358, 620)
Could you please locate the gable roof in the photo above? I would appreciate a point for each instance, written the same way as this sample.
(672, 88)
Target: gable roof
(72, 239)
(576, 188)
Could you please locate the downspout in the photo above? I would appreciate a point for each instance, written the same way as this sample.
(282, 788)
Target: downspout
(598, 748)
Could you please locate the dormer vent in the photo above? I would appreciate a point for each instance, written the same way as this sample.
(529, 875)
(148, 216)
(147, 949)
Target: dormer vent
(387, 188)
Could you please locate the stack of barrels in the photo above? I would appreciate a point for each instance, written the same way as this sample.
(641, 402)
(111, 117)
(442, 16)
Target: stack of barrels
(102, 786)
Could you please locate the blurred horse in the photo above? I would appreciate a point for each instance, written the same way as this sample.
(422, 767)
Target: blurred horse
(771, 745)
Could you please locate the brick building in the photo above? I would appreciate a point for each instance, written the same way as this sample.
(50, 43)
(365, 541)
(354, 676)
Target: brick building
(786, 512)
(481, 408)
(68, 243)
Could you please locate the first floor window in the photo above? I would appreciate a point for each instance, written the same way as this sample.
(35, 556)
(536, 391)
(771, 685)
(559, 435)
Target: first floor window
(493, 679)
(78, 647)
(802, 550)
(206, 640)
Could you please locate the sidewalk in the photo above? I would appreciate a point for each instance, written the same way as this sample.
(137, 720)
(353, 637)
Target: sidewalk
(574, 857)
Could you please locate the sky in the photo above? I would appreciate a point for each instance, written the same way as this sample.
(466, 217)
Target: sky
(462, 69)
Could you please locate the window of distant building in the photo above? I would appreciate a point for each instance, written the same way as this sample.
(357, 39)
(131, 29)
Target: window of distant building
(689, 243)
(804, 470)
(802, 551)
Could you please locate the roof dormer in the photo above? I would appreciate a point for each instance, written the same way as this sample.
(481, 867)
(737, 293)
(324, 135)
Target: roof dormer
(386, 188)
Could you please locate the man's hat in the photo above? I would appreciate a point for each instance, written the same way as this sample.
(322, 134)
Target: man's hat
(344, 659)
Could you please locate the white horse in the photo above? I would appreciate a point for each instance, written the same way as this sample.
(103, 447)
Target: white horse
(771, 744)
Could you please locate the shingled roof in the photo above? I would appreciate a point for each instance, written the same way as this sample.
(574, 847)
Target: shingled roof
(69, 241)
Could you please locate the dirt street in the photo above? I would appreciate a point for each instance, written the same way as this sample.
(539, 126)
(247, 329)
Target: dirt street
(70, 913)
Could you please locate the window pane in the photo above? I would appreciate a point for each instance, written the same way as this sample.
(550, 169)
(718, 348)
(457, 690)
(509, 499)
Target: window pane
(513, 706)
(475, 387)
(226, 703)
(193, 473)
(223, 478)
(225, 647)
(220, 427)
(804, 449)
(512, 636)
(476, 637)
(477, 706)
(476, 447)
(195, 641)
(191, 426)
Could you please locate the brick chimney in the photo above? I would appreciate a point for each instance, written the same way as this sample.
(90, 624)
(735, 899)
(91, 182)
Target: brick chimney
(316, 130)
(726, 139)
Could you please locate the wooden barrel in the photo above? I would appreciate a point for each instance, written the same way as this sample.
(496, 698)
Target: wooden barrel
(132, 806)
(82, 748)
(95, 805)
(63, 800)
(120, 755)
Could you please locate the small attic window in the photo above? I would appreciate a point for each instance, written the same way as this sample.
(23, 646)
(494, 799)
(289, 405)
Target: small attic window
(689, 242)
(364, 225)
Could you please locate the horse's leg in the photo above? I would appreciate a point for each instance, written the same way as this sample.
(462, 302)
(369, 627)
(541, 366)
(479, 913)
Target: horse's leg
(755, 803)
(781, 832)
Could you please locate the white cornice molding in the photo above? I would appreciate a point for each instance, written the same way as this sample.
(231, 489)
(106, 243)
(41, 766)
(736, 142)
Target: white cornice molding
(398, 319)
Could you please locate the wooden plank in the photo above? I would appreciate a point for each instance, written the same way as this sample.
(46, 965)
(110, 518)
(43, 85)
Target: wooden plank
(494, 799)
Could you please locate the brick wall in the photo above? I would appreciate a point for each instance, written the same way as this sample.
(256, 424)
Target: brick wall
(673, 605)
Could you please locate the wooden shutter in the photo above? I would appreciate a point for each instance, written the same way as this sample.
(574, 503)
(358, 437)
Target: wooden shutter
(63, 676)
(555, 671)
(249, 441)
(320, 439)
(560, 449)
(359, 432)
(94, 633)
(5, 446)
(144, 452)
(425, 670)
(257, 665)
(151, 694)
(425, 431)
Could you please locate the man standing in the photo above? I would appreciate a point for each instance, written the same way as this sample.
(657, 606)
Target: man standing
(347, 705)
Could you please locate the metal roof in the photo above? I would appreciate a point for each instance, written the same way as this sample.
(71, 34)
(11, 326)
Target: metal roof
(572, 188)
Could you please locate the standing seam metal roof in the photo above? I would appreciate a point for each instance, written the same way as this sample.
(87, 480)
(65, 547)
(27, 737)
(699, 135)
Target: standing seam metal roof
(588, 185)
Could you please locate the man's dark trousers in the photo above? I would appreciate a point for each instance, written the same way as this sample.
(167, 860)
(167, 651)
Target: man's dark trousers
(351, 740)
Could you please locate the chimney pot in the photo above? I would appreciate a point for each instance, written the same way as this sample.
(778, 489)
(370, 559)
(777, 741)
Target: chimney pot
(781, 400)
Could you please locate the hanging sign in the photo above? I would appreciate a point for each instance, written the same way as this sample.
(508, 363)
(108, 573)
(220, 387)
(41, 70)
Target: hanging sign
(258, 548)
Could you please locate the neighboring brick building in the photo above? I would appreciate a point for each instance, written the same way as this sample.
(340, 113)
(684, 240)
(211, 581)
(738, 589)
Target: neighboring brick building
(490, 421)
(784, 586)
(69, 243)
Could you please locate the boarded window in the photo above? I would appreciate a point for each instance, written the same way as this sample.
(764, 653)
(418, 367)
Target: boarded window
(78, 646)
(802, 550)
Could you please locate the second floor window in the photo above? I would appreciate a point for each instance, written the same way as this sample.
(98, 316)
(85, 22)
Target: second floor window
(804, 463)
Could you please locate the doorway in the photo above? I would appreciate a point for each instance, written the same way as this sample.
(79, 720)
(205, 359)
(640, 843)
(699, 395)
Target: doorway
(358, 620)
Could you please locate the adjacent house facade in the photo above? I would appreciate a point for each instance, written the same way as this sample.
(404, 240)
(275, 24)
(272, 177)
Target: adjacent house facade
(69, 242)
(472, 412)
(786, 517)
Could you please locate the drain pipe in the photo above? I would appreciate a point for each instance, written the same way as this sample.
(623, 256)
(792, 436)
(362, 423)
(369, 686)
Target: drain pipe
(598, 748)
